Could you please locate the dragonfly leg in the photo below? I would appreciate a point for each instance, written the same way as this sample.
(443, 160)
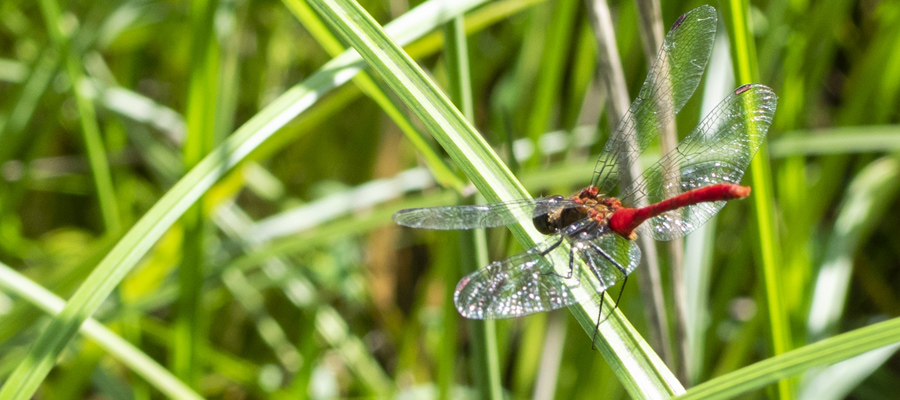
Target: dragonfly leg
(571, 265)
(580, 230)
(624, 279)
(551, 248)
(571, 257)
(597, 326)
(619, 297)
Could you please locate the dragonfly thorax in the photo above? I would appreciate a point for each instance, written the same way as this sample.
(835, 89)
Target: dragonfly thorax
(592, 205)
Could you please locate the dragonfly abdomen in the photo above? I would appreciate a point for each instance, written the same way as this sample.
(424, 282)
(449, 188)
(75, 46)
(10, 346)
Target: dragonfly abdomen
(625, 220)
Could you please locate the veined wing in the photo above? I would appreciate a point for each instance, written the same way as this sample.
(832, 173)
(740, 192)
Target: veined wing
(718, 150)
(481, 216)
(528, 283)
(671, 81)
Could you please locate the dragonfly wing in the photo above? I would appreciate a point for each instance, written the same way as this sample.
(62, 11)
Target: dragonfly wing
(528, 282)
(480, 216)
(610, 258)
(718, 150)
(671, 81)
(523, 284)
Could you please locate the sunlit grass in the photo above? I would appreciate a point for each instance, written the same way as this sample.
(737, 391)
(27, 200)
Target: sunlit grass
(304, 288)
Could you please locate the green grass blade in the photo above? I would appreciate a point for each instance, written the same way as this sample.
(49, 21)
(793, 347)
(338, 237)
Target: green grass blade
(31, 371)
(472, 245)
(838, 140)
(868, 197)
(432, 107)
(551, 71)
(331, 326)
(613, 78)
(12, 133)
(139, 362)
(783, 366)
(90, 129)
(743, 50)
(639, 369)
(203, 93)
(441, 171)
(486, 359)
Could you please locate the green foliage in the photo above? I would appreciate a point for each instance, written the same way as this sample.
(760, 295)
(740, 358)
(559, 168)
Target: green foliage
(201, 194)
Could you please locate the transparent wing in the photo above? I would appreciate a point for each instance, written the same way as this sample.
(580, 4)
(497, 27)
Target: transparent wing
(528, 282)
(611, 257)
(523, 284)
(671, 81)
(718, 150)
(480, 216)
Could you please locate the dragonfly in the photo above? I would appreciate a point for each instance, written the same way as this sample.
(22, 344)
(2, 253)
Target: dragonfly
(597, 227)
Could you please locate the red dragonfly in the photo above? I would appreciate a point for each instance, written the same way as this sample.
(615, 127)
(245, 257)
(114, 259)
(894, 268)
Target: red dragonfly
(683, 189)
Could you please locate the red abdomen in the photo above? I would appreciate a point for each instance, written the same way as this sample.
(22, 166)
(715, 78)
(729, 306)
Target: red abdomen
(625, 220)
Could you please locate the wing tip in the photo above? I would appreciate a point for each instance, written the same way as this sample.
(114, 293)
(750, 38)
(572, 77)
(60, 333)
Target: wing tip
(704, 9)
(466, 311)
(678, 22)
(398, 216)
(753, 86)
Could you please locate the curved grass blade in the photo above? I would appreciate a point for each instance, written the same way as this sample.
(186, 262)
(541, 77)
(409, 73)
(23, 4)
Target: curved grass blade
(639, 369)
(438, 167)
(25, 379)
(472, 246)
(139, 362)
(780, 367)
(838, 140)
(736, 15)
(868, 197)
(87, 117)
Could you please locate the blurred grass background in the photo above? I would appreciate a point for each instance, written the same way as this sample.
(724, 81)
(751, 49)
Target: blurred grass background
(288, 280)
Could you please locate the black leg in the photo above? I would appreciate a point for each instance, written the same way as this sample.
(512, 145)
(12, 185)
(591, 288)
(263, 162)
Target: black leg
(597, 326)
(571, 266)
(562, 237)
(571, 262)
(555, 245)
(572, 250)
(551, 248)
(624, 280)
(619, 297)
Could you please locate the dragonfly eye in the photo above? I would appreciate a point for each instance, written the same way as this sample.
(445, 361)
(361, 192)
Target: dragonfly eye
(543, 224)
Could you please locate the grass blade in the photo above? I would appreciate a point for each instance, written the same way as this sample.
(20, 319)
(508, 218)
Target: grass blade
(737, 18)
(473, 246)
(613, 76)
(90, 129)
(26, 378)
(139, 362)
(868, 197)
(783, 366)
(839, 140)
(200, 116)
(441, 171)
(639, 369)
